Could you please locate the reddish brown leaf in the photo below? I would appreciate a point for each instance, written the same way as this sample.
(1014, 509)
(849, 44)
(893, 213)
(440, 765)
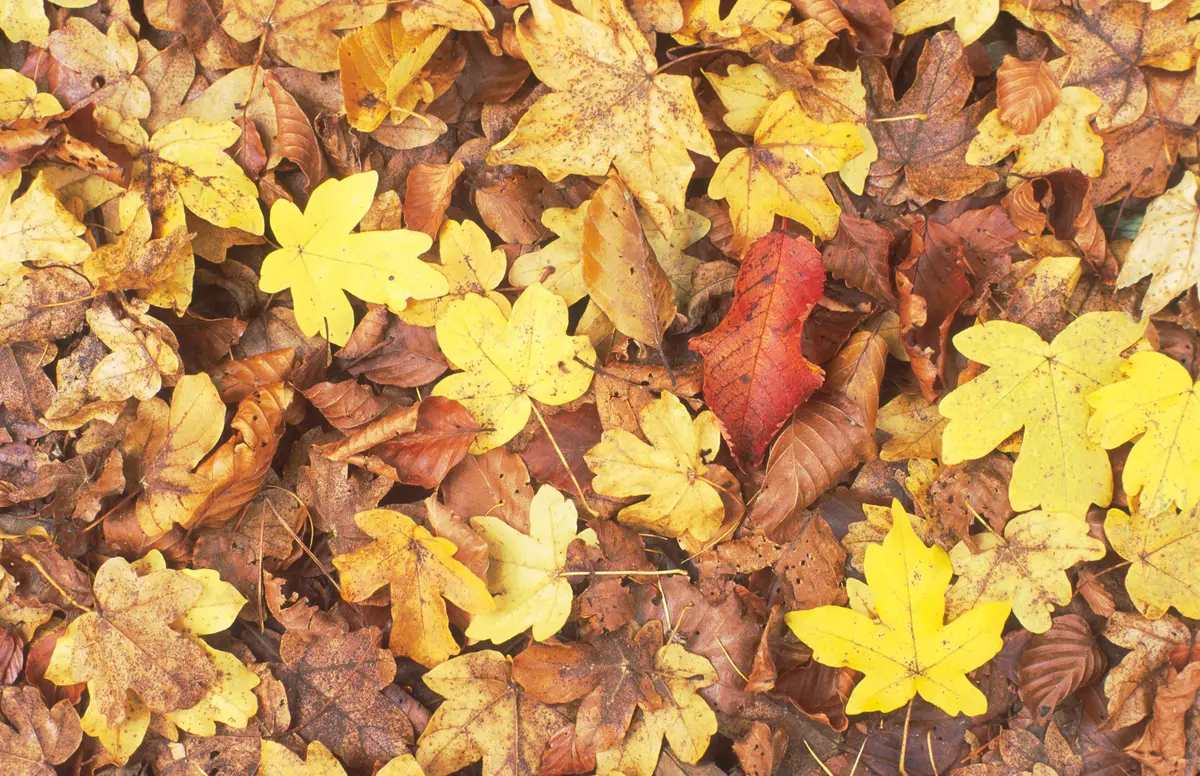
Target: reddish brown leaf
(575, 432)
(348, 405)
(430, 187)
(495, 483)
(423, 456)
(295, 139)
(235, 380)
(754, 372)
(1163, 748)
(1026, 92)
(388, 351)
(1057, 663)
(858, 255)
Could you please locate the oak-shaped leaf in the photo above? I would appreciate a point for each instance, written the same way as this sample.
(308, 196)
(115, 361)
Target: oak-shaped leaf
(486, 716)
(589, 122)
(1158, 404)
(36, 737)
(526, 570)
(670, 469)
(320, 259)
(755, 374)
(421, 571)
(1164, 553)
(335, 686)
(1026, 565)
(507, 362)
(928, 151)
(466, 259)
(910, 649)
(1040, 387)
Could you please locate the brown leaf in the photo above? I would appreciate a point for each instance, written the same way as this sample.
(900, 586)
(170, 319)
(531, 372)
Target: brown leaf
(12, 655)
(513, 207)
(235, 380)
(339, 692)
(495, 483)
(388, 351)
(430, 187)
(1130, 685)
(39, 737)
(1057, 663)
(24, 387)
(348, 405)
(1026, 92)
(760, 751)
(46, 304)
(296, 139)
(858, 255)
(335, 496)
(424, 455)
(811, 567)
(575, 432)
(1163, 747)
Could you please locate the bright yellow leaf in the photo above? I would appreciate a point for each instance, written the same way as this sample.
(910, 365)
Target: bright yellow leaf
(670, 470)
(684, 718)
(1166, 246)
(1164, 555)
(609, 106)
(782, 173)
(470, 266)
(509, 363)
(320, 260)
(910, 649)
(525, 573)
(461, 15)
(971, 18)
(379, 64)
(748, 25)
(1040, 387)
(19, 98)
(37, 230)
(1064, 138)
(278, 760)
(1159, 405)
(404, 765)
(1027, 566)
(421, 570)
(230, 700)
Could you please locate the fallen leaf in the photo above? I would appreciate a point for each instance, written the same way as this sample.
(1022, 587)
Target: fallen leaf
(971, 19)
(1129, 686)
(36, 230)
(1063, 138)
(1163, 551)
(379, 63)
(1166, 247)
(1057, 663)
(1026, 93)
(40, 737)
(300, 32)
(466, 259)
(908, 650)
(278, 760)
(915, 426)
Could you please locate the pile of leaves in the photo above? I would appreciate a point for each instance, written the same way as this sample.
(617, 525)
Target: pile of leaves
(641, 387)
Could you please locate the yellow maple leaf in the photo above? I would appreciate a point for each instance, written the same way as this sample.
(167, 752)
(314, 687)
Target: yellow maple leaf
(277, 760)
(1026, 565)
(1040, 387)
(26, 19)
(166, 444)
(910, 649)
(486, 716)
(1166, 246)
(915, 426)
(1157, 403)
(143, 349)
(161, 266)
(670, 470)
(379, 64)
(1164, 555)
(301, 32)
(782, 173)
(36, 230)
(749, 24)
(421, 570)
(609, 106)
(320, 259)
(1064, 138)
(461, 15)
(526, 570)
(19, 98)
(971, 18)
(683, 718)
(470, 266)
(509, 362)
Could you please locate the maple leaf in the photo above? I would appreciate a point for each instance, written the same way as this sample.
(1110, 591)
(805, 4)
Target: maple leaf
(1157, 403)
(909, 650)
(20, 99)
(1106, 48)
(300, 32)
(486, 716)
(508, 363)
(35, 230)
(278, 760)
(470, 266)
(105, 63)
(683, 717)
(335, 685)
(378, 66)
(1166, 247)
(526, 570)
(781, 173)
(421, 570)
(641, 121)
(755, 374)
(971, 18)
(143, 349)
(320, 259)
(915, 426)
(26, 19)
(670, 470)
(162, 266)
(39, 737)
(1065, 137)
(1040, 387)
(166, 443)
(748, 25)
(1162, 550)
(1026, 565)
(929, 151)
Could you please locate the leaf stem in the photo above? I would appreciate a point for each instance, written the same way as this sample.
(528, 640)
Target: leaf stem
(624, 573)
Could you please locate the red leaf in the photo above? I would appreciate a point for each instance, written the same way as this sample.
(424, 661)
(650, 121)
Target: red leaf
(754, 373)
